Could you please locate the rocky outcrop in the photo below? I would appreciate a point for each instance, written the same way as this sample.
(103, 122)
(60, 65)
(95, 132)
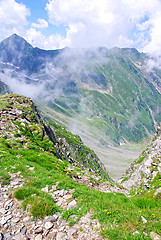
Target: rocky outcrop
(146, 170)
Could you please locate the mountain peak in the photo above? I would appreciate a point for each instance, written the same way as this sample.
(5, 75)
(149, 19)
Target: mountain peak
(15, 41)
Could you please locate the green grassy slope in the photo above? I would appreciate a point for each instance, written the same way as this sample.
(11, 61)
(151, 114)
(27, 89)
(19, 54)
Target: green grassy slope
(24, 145)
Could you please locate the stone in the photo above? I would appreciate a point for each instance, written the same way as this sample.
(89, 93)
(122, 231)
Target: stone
(52, 219)
(155, 236)
(54, 187)
(15, 220)
(68, 196)
(143, 219)
(3, 211)
(7, 236)
(3, 222)
(61, 236)
(23, 230)
(72, 231)
(38, 237)
(48, 225)
(26, 219)
(19, 237)
(45, 189)
(61, 193)
(136, 232)
(8, 217)
(71, 191)
(31, 168)
(38, 230)
(52, 235)
(157, 192)
(1, 236)
(8, 204)
(72, 205)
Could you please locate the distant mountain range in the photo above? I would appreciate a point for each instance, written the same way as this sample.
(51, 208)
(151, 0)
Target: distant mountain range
(105, 95)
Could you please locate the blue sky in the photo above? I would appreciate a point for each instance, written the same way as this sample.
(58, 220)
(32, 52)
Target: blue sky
(52, 24)
(37, 10)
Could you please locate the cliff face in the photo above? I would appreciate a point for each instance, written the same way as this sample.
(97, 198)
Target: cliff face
(22, 125)
(145, 173)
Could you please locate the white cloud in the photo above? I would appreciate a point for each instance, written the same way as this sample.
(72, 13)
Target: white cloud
(154, 45)
(12, 18)
(108, 23)
(37, 39)
(42, 23)
(90, 23)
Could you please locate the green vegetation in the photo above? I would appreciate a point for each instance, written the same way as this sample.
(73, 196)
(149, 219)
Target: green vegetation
(118, 215)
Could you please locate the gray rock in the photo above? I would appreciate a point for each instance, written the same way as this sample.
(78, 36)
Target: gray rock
(8, 236)
(38, 230)
(72, 205)
(38, 237)
(48, 225)
(15, 220)
(8, 217)
(155, 236)
(45, 189)
(23, 230)
(26, 219)
(72, 231)
(19, 237)
(3, 211)
(53, 218)
(61, 193)
(3, 222)
(8, 204)
(61, 236)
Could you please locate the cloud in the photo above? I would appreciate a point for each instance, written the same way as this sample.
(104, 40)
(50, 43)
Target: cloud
(42, 23)
(18, 84)
(91, 23)
(37, 39)
(12, 18)
(154, 45)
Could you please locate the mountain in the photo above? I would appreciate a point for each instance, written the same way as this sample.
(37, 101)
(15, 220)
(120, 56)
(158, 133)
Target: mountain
(50, 189)
(145, 173)
(106, 96)
(17, 51)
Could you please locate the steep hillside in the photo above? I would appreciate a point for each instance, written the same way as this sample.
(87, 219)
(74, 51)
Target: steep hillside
(45, 194)
(22, 125)
(145, 173)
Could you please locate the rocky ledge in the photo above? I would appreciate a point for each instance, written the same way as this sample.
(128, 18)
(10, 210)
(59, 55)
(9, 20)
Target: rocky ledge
(147, 169)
